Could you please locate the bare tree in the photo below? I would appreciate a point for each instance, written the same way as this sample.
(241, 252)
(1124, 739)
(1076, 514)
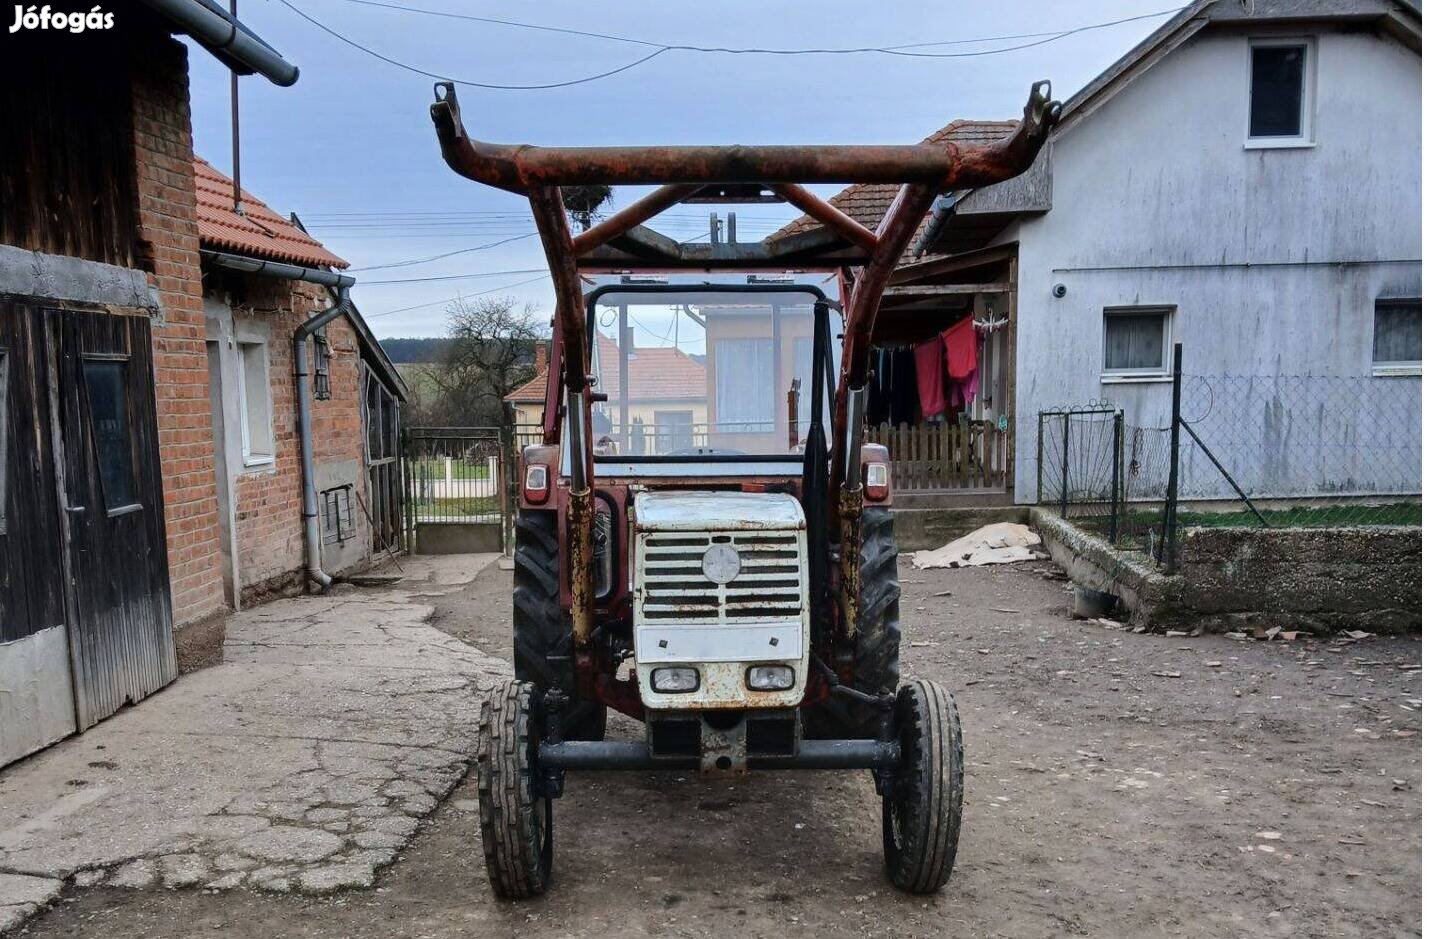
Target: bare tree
(491, 352)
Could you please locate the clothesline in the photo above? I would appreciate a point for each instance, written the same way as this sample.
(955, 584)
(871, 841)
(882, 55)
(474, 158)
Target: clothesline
(981, 326)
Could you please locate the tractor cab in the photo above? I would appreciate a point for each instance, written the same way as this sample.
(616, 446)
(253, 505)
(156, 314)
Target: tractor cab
(704, 541)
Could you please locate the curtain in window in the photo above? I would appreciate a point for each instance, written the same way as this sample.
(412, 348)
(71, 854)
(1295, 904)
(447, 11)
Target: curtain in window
(1134, 341)
(744, 385)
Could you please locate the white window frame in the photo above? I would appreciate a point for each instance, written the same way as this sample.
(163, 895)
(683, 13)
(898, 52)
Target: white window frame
(1394, 369)
(1306, 137)
(1122, 375)
(251, 455)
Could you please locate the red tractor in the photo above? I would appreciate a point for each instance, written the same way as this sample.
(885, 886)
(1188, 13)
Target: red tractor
(704, 542)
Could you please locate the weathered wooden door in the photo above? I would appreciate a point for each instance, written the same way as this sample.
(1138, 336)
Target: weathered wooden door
(36, 699)
(113, 511)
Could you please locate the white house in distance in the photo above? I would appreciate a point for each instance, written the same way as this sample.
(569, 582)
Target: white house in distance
(1245, 181)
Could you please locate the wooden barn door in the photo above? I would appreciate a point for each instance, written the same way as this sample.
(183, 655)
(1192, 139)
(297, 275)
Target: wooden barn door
(37, 705)
(123, 648)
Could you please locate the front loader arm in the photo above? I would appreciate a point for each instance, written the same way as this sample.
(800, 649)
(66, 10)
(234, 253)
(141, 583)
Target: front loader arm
(922, 171)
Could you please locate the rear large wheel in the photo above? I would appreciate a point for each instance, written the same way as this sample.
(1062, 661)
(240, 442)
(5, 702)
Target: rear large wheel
(515, 817)
(922, 811)
(877, 647)
(542, 632)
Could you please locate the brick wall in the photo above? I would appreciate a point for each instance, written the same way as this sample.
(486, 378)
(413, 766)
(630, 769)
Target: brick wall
(169, 250)
(269, 529)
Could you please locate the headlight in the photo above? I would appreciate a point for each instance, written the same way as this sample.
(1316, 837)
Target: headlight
(675, 680)
(770, 678)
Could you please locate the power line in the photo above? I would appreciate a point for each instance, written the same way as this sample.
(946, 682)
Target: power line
(1036, 39)
(460, 81)
(468, 296)
(902, 49)
(426, 280)
(437, 257)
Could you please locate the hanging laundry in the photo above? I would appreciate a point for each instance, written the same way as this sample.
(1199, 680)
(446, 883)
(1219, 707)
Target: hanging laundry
(904, 391)
(877, 398)
(930, 377)
(960, 349)
(971, 386)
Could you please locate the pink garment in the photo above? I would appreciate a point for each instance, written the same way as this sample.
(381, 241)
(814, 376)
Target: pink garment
(930, 377)
(960, 349)
(971, 386)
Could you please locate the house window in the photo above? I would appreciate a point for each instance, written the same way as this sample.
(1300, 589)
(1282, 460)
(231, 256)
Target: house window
(1137, 343)
(744, 386)
(257, 429)
(110, 430)
(1281, 75)
(1396, 349)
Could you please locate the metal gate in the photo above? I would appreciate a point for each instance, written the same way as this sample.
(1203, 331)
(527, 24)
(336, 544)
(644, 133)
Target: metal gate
(455, 489)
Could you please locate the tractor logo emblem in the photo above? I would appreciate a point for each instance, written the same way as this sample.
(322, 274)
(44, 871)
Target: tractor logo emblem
(721, 563)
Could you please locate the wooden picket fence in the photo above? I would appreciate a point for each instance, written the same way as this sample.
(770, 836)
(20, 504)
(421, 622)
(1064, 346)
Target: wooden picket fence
(940, 457)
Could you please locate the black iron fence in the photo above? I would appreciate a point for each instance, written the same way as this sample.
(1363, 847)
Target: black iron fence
(1237, 450)
(454, 475)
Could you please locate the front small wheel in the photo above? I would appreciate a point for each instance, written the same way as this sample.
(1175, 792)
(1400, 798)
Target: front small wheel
(922, 811)
(515, 817)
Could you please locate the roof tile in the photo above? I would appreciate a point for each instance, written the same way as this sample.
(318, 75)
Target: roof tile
(259, 233)
(656, 373)
(866, 202)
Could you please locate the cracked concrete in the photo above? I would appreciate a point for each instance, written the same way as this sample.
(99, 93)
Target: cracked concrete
(302, 763)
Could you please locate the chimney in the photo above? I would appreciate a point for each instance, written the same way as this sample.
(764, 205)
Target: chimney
(542, 355)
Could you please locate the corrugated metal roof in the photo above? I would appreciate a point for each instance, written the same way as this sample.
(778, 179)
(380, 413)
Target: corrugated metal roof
(259, 233)
(866, 202)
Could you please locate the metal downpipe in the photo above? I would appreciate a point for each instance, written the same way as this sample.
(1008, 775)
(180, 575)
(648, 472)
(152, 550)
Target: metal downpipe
(311, 511)
(341, 284)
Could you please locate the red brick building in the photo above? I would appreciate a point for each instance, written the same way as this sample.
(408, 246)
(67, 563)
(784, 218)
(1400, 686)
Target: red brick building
(125, 532)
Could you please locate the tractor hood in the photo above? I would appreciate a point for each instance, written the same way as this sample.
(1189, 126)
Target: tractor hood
(717, 511)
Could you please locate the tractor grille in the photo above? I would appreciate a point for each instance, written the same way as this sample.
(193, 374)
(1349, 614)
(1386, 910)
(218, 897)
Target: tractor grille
(770, 585)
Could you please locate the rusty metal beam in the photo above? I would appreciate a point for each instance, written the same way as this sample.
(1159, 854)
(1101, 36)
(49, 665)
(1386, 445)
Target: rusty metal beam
(942, 166)
(641, 210)
(554, 228)
(828, 215)
(896, 229)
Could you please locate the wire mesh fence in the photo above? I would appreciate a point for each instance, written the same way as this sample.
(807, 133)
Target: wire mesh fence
(1256, 451)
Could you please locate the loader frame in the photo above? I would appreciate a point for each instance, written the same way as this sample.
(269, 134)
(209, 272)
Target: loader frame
(622, 242)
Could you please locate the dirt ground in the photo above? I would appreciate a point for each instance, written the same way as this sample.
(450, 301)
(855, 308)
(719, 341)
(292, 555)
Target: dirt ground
(1117, 784)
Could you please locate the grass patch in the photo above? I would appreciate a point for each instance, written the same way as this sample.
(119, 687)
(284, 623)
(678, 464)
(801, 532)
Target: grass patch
(440, 510)
(459, 469)
(1339, 515)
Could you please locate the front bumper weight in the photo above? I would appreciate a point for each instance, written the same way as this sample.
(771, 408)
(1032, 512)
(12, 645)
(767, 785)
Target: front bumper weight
(635, 755)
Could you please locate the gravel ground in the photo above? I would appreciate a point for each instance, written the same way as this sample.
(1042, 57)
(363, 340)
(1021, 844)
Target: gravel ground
(1117, 784)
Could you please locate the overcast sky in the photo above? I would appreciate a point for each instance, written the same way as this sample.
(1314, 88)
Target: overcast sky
(351, 149)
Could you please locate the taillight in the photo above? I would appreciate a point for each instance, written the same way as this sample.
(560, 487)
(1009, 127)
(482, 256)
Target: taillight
(537, 484)
(877, 481)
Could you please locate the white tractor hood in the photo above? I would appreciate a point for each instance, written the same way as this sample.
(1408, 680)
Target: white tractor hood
(717, 511)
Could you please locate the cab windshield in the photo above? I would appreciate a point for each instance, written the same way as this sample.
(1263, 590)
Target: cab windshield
(698, 372)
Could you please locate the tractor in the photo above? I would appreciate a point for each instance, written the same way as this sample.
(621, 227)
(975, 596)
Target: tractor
(703, 539)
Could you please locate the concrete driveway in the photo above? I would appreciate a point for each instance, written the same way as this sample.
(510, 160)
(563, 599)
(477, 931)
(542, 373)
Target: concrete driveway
(304, 761)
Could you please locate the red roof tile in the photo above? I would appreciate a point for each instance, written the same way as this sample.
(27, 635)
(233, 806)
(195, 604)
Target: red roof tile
(866, 202)
(259, 233)
(533, 391)
(656, 373)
